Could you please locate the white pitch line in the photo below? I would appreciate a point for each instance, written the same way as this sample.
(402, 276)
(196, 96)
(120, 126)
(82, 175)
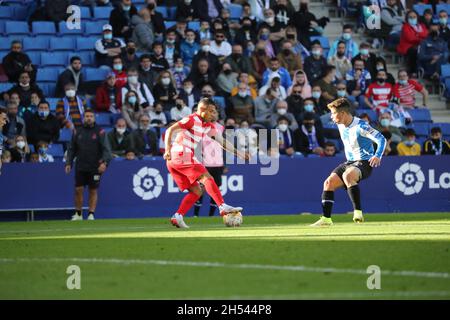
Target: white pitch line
(298, 268)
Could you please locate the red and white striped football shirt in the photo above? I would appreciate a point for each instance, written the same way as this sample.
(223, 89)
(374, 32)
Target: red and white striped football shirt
(407, 93)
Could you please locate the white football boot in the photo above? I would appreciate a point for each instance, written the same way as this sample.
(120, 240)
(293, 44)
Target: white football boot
(91, 217)
(77, 217)
(177, 221)
(322, 222)
(358, 216)
(226, 209)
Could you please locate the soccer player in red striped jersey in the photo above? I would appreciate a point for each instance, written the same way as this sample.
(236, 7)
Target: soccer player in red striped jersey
(184, 164)
(407, 88)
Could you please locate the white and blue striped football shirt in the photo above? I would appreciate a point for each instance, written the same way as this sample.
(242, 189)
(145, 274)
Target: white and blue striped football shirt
(358, 138)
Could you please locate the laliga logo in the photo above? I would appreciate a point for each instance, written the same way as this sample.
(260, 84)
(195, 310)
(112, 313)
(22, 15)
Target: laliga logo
(409, 179)
(147, 183)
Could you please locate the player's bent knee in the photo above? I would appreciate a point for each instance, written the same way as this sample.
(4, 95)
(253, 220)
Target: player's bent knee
(351, 176)
(330, 184)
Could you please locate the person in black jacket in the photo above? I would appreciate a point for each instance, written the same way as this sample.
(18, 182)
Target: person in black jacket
(56, 10)
(308, 138)
(120, 139)
(25, 88)
(72, 74)
(120, 19)
(203, 12)
(185, 10)
(17, 62)
(144, 139)
(92, 152)
(43, 126)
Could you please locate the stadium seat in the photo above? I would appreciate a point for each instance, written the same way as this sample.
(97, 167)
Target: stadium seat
(194, 25)
(35, 57)
(85, 13)
(445, 71)
(93, 28)
(2, 26)
(35, 44)
(420, 8)
(442, 6)
(48, 88)
(65, 135)
(220, 101)
(421, 128)
(56, 150)
(420, 115)
(86, 58)
(163, 11)
(103, 119)
(95, 74)
(169, 24)
(86, 43)
(2, 55)
(47, 75)
(54, 59)
(235, 11)
(172, 11)
(43, 27)
(52, 102)
(102, 13)
(5, 45)
(62, 44)
(6, 13)
(445, 127)
(16, 28)
(5, 86)
(64, 31)
(20, 13)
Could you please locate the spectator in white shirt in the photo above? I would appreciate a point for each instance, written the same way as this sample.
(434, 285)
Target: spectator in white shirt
(158, 116)
(180, 110)
(145, 96)
(43, 155)
(220, 47)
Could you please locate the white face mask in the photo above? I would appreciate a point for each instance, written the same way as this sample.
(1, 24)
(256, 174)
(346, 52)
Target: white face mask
(165, 81)
(24, 85)
(70, 93)
(270, 20)
(205, 48)
(242, 94)
(21, 144)
(121, 130)
(188, 90)
(133, 79)
(282, 111)
(283, 127)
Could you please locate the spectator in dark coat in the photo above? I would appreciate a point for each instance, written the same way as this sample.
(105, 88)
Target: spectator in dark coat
(72, 74)
(43, 126)
(205, 12)
(14, 126)
(120, 139)
(147, 74)
(308, 138)
(201, 74)
(17, 62)
(144, 139)
(157, 20)
(56, 10)
(25, 88)
(120, 19)
(315, 63)
(185, 10)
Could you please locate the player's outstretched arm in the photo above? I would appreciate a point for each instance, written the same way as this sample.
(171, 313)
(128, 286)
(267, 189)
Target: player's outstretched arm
(168, 139)
(227, 146)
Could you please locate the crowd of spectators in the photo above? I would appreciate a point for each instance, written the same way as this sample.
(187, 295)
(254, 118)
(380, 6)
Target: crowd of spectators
(263, 68)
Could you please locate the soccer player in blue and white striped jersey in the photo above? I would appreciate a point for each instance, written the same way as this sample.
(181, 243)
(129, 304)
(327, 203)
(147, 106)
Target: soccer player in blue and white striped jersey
(358, 137)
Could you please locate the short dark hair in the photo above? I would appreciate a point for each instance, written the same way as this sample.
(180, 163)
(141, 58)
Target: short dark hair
(316, 42)
(308, 116)
(330, 144)
(347, 26)
(75, 58)
(145, 56)
(341, 104)
(410, 132)
(89, 110)
(435, 130)
(280, 118)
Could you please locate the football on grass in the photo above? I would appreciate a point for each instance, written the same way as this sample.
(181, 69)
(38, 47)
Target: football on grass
(233, 219)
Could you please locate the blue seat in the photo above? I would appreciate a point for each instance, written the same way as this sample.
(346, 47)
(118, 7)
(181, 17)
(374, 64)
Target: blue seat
(235, 11)
(2, 26)
(442, 6)
(445, 127)
(16, 28)
(421, 128)
(52, 102)
(6, 12)
(102, 13)
(86, 58)
(103, 119)
(35, 44)
(3, 54)
(93, 27)
(324, 42)
(47, 75)
(420, 8)
(95, 74)
(86, 44)
(194, 25)
(35, 57)
(169, 24)
(20, 13)
(420, 115)
(445, 71)
(66, 32)
(43, 27)
(56, 150)
(220, 101)
(48, 88)
(54, 59)
(85, 13)
(65, 135)
(371, 113)
(172, 11)
(5, 86)
(5, 44)
(62, 44)
(163, 11)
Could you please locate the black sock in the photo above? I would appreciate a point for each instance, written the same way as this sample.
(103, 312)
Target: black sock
(91, 212)
(197, 206)
(327, 203)
(212, 208)
(78, 212)
(354, 194)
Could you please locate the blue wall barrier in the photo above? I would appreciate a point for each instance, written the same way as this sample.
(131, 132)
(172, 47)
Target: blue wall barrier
(140, 189)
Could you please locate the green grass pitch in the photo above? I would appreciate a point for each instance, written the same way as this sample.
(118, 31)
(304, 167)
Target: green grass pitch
(268, 257)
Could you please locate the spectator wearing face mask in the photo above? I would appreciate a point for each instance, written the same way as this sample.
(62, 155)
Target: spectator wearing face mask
(179, 73)
(242, 105)
(320, 103)
(185, 10)
(380, 93)
(436, 145)
(300, 79)
(369, 59)
(14, 126)
(120, 139)
(189, 47)
(246, 35)
(24, 89)
(432, 53)
(108, 97)
(72, 74)
(20, 151)
(158, 116)
(43, 126)
(42, 148)
(276, 69)
(119, 71)
(180, 110)
(275, 28)
(275, 84)
(121, 17)
(409, 147)
(351, 47)
(206, 54)
(165, 91)
(358, 79)
(340, 61)
(143, 34)
(147, 74)
(285, 136)
(281, 109)
(129, 56)
(227, 79)
(384, 121)
(132, 110)
(220, 46)
(171, 47)
(315, 63)
(308, 138)
(146, 98)
(108, 47)
(326, 83)
(407, 89)
(189, 94)
(246, 137)
(144, 139)
(238, 62)
(70, 109)
(295, 101)
(264, 106)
